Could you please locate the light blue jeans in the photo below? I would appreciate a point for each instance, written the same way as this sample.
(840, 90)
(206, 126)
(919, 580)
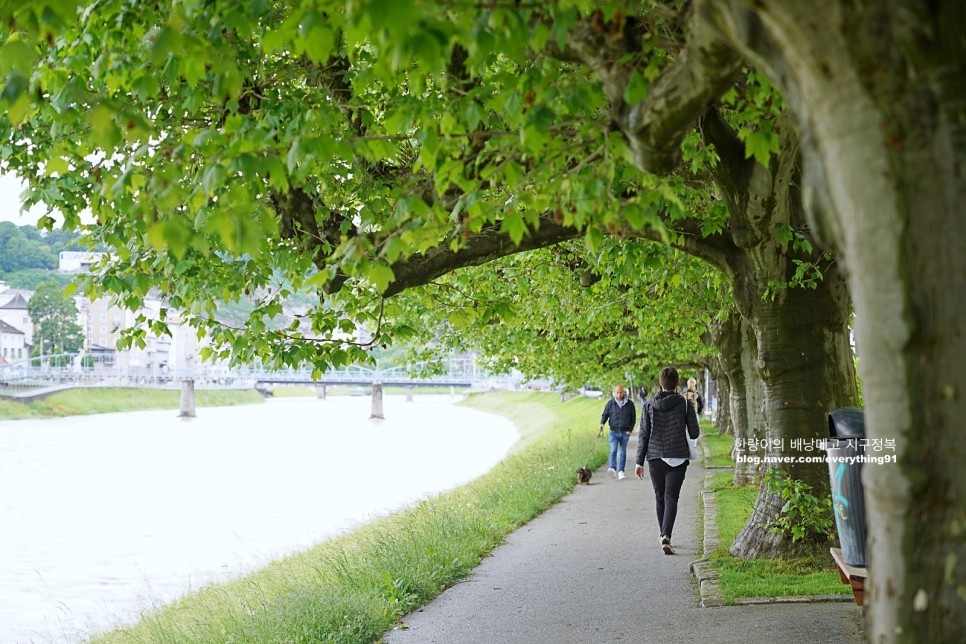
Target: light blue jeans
(618, 442)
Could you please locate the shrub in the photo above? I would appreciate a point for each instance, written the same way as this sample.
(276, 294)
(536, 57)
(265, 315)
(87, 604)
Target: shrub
(804, 517)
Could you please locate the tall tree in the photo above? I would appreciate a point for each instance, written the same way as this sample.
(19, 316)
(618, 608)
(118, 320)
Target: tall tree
(385, 149)
(803, 356)
(55, 319)
(18, 251)
(877, 90)
(359, 151)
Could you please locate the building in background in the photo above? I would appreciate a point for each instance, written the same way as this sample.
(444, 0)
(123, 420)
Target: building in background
(72, 261)
(13, 345)
(13, 311)
(103, 323)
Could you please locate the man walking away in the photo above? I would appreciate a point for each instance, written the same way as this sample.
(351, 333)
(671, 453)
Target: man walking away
(620, 413)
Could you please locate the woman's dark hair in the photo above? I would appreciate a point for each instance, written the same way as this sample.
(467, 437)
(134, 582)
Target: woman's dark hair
(669, 378)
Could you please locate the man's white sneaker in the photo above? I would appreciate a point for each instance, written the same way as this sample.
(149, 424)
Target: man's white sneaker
(620, 475)
(611, 470)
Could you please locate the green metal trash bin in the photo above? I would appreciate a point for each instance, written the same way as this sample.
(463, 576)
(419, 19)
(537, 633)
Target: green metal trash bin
(846, 427)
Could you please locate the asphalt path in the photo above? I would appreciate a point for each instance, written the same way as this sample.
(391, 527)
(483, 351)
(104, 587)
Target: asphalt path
(591, 569)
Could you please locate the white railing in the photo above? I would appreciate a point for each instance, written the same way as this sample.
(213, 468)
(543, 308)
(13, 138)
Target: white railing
(66, 369)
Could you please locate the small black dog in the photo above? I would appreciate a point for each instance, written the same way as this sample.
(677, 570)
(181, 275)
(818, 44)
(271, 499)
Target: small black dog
(583, 476)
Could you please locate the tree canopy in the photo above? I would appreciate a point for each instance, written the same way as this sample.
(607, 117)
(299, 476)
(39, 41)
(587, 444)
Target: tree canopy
(575, 317)
(352, 152)
(22, 249)
(356, 150)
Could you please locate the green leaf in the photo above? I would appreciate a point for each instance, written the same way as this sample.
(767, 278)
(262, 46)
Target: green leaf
(319, 41)
(636, 89)
(784, 233)
(564, 22)
(379, 274)
(213, 178)
(58, 165)
(105, 133)
(16, 55)
(760, 144)
(430, 145)
(294, 157)
(167, 42)
(393, 248)
(514, 225)
(594, 238)
(473, 115)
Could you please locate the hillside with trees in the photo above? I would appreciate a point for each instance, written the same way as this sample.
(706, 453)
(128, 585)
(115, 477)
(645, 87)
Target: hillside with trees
(28, 256)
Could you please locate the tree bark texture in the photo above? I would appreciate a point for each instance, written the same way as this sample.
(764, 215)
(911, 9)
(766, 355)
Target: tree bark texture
(737, 353)
(879, 93)
(804, 363)
(722, 391)
(801, 352)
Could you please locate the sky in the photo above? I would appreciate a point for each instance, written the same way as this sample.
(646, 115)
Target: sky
(10, 189)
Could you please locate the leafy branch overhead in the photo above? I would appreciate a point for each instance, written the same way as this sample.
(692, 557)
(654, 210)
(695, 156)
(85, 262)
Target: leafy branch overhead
(354, 151)
(588, 317)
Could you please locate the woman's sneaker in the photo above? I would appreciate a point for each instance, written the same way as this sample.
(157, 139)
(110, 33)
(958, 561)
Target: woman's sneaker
(666, 546)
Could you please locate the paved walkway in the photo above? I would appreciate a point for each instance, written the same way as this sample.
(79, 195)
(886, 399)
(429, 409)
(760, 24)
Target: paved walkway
(590, 569)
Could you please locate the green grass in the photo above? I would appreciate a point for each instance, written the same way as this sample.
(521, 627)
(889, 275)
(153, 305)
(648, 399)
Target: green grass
(720, 446)
(356, 587)
(294, 391)
(96, 400)
(809, 575)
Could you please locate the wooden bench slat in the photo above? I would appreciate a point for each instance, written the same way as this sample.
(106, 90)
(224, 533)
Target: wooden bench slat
(854, 576)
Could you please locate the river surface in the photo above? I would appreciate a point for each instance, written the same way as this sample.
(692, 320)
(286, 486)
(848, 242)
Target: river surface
(104, 516)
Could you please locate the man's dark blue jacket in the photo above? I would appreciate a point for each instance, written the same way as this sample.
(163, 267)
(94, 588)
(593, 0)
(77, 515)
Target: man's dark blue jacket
(622, 419)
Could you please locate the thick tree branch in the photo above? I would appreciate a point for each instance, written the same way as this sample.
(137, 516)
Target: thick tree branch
(488, 244)
(715, 249)
(703, 71)
(734, 168)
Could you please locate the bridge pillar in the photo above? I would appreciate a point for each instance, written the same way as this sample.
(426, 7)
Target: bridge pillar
(187, 399)
(409, 393)
(376, 401)
(320, 392)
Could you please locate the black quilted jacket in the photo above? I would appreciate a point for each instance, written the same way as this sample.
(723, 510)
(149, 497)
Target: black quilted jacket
(663, 421)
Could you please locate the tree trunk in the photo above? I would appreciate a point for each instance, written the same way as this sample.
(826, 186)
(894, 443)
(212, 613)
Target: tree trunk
(722, 386)
(805, 365)
(792, 326)
(737, 352)
(722, 391)
(878, 87)
(801, 353)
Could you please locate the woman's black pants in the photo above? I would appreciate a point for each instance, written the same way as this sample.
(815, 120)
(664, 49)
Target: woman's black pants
(667, 482)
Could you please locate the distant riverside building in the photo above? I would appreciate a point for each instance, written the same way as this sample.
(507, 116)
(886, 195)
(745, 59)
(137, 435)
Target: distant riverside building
(102, 323)
(13, 347)
(13, 312)
(72, 261)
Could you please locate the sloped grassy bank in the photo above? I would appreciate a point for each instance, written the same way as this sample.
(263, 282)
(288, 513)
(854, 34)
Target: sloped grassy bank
(98, 400)
(356, 587)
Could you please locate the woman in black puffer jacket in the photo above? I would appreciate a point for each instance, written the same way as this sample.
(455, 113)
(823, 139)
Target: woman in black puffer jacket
(663, 445)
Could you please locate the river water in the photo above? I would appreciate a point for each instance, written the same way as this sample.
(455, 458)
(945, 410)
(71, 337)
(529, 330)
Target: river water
(104, 516)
